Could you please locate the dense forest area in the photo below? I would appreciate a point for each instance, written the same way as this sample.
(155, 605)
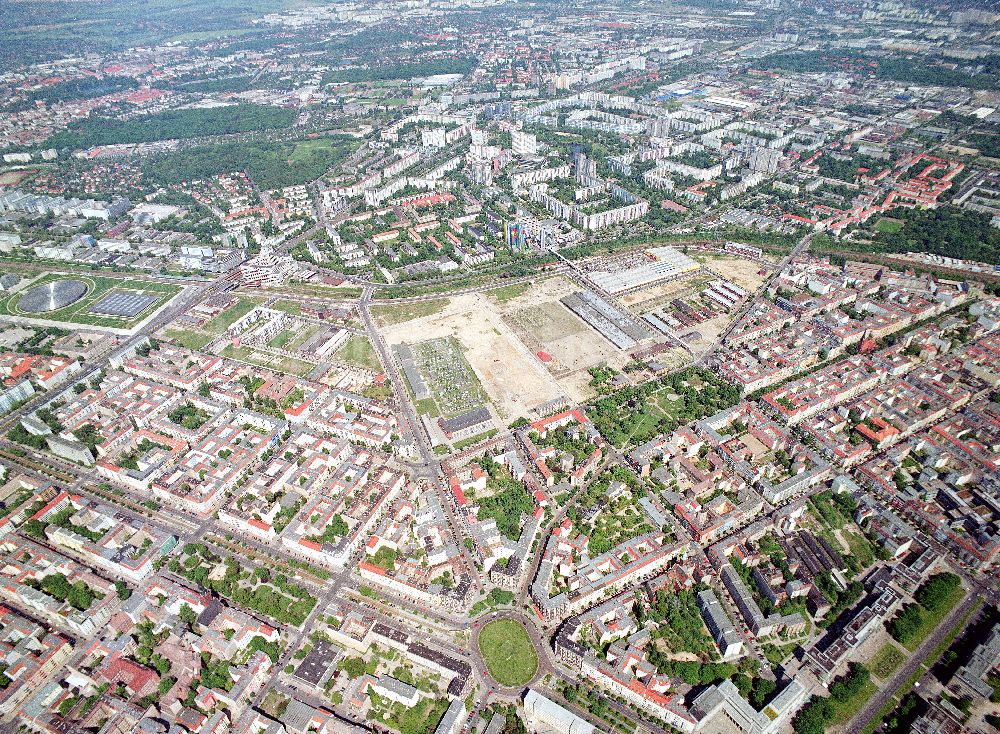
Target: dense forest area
(988, 145)
(86, 88)
(42, 29)
(271, 165)
(928, 72)
(947, 231)
(171, 124)
(411, 70)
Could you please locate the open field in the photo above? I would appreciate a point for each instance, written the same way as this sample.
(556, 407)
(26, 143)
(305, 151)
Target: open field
(97, 288)
(290, 307)
(509, 654)
(13, 178)
(319, 289)
(542, 323)
(509, 292)
(885, 662)
(648, 298)
(744, 273)
(291, 339)
(284, 364)
(512, 376)
(197, 339)
(230, 316)
(398, 313)
(193, 340)
(357, 350)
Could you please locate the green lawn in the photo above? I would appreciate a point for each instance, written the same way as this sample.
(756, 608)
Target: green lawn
(97, 287)
(300, 336)
(861, 548)
(357, 350)
(508, 652)
(287, 365)
(290, 307)
(885, 662)
(668, 406)
(193, 340)
(777, 654)
(843, 712)
(889, 226)
(230, 316)
(427, 407)
(282, 338)
(509, 292)
(931, 620)
(389, 314)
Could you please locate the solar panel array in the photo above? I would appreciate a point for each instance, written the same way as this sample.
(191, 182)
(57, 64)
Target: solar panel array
(124, 304)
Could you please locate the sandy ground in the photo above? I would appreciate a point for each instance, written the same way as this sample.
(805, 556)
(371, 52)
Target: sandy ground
(649, 298)
(544, 324)
(741, 272)
(11, 335)
(744, 273)
(511, 374)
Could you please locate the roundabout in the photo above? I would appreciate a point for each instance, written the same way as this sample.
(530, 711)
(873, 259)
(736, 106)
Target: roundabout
(508, 652)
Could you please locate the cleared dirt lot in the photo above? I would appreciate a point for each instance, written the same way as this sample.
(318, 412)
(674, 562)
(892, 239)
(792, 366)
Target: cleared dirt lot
(649, 298)
(544, 324)
(744, 273)
(511, 374)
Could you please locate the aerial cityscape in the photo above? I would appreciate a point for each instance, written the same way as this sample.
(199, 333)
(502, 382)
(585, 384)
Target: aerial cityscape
(499, 367)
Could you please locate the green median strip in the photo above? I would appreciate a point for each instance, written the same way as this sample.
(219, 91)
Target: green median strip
(936, 653)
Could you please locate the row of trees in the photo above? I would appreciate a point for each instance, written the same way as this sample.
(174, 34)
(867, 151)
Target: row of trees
(818, 714)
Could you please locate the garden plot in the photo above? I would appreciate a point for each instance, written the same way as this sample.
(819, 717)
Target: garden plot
(436, 369)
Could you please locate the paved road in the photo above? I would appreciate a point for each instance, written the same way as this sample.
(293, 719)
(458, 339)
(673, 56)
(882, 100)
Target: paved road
(884, 694)
(546, 665)
(181, 302)
(720, 342)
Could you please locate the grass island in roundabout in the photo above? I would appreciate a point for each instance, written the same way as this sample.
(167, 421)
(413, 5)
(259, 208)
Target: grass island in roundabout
(508, 652)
